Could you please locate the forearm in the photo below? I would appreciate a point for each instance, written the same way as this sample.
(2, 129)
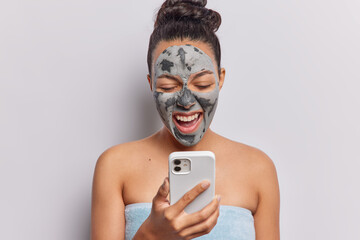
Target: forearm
(143, 233)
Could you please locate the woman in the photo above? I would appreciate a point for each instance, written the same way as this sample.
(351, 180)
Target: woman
(129, 189)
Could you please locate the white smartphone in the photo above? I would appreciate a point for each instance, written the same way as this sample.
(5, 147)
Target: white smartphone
(186, 170)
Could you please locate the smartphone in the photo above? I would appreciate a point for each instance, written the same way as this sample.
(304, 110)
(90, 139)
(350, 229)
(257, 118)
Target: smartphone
(186, 170)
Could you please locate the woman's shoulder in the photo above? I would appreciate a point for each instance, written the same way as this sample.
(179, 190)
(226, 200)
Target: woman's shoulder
(246, 155)
(250, 168)
(120, 159)
(260, 168)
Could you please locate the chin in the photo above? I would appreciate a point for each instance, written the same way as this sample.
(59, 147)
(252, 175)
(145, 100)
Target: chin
(189, 139)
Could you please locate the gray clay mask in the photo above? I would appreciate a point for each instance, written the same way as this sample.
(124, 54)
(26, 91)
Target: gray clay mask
(186, 113)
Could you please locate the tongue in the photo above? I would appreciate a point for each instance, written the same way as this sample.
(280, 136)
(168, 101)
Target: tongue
(186, 124)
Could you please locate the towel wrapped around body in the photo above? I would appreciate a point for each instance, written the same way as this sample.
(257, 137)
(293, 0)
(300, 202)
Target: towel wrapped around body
(234, 223)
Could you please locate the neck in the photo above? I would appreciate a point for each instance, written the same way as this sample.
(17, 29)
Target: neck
(168, 141)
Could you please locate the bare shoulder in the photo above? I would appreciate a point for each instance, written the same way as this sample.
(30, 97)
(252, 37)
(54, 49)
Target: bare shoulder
(254, 158)
(260, 162)
(117, 163)
(257, 165)
(121, 157)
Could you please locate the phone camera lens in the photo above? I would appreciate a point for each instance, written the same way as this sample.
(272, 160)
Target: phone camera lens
(177, 168)
(177, 162)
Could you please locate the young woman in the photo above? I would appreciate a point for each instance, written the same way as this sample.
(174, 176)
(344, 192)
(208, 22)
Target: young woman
(130, 188)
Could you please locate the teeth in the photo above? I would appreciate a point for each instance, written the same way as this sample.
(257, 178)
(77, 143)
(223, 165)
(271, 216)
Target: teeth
(187, 119)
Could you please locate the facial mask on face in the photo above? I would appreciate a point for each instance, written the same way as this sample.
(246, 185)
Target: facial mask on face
(187, 114)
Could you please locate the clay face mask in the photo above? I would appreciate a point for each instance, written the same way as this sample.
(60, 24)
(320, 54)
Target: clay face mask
(186, 112)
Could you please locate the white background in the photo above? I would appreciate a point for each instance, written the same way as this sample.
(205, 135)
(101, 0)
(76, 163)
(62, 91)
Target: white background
(73, 83)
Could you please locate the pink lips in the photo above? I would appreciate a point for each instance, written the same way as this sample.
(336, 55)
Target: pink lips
(187, 126)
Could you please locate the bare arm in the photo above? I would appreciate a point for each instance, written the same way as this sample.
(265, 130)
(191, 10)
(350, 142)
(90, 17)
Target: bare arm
(267, 213)
(107, 209)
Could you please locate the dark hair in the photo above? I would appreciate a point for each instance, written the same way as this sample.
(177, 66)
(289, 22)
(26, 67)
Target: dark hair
(187, 19)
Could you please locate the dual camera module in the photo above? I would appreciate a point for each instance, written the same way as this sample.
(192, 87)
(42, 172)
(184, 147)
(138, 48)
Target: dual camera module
(181, 166)
(177, 168)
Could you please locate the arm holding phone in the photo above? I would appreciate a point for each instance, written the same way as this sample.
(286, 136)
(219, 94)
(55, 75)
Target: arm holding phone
(171, 222)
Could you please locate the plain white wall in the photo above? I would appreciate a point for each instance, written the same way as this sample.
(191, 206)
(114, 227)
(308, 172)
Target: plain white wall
(73, 83)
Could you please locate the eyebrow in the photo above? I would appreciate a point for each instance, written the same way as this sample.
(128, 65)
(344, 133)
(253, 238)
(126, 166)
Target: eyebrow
(200, 74)
(169, 76)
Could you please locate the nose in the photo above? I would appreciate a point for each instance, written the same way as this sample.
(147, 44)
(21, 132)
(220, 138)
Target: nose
(186, 99)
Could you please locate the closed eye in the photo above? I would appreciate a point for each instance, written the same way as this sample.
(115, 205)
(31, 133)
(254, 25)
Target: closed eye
(203, 81)
(203, 86)
(167, 89)
(168, 83)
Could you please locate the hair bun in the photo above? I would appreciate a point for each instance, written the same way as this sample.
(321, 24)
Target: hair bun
(188, 11)
(200, 3)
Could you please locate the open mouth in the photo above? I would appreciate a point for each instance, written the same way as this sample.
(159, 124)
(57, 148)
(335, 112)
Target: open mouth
(187, 122)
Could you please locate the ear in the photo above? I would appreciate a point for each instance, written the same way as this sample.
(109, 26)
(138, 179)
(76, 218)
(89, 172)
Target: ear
(150, 81)
(221, 78)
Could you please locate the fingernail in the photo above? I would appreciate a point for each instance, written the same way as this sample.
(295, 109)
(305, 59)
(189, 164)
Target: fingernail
(218, 198)
(205, 185)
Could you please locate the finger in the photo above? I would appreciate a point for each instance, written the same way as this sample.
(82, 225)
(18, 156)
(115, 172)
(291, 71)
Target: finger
(202, 228)
(195, 235)
(162, 193)
(200, 216)
(189, 196)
